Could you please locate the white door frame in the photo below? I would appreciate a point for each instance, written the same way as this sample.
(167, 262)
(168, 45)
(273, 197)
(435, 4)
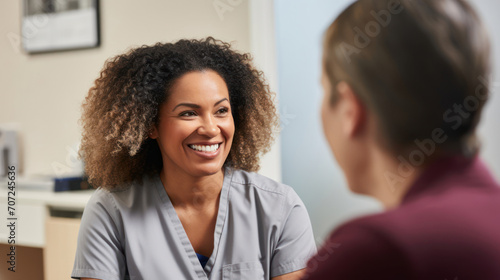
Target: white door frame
(263, 49)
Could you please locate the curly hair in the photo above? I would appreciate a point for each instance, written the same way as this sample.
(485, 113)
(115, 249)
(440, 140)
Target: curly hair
(122, 108)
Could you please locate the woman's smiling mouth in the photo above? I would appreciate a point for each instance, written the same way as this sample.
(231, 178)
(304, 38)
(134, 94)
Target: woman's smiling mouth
(205, 148)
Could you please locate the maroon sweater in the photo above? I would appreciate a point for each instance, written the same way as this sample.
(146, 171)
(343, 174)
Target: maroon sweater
(447, 227)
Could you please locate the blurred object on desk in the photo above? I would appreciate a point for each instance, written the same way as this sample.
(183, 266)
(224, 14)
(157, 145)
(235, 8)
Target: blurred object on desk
(50, 184)
(71, 184)
(9, 149)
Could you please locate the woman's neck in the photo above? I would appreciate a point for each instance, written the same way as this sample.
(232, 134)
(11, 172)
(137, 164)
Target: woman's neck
(189, 192)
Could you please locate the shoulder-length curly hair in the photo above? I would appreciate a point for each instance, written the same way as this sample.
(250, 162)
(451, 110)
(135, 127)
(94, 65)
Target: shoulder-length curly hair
(122, 108)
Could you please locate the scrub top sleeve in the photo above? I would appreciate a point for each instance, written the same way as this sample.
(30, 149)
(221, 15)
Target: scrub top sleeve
(99, 251)
(296, 241)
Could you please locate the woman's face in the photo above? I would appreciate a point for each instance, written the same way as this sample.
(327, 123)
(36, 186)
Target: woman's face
(196, 127)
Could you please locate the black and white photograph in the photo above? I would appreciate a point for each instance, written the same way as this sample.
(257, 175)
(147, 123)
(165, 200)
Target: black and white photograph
(55, 25)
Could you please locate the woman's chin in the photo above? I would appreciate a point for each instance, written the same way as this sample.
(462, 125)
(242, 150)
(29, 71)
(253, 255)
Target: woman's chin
(207, 170)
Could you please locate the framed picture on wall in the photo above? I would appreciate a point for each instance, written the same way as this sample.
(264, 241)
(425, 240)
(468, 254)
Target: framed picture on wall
(57, 25)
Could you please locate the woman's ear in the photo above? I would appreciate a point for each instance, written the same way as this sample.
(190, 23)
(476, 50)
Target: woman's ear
(352, 111)
(153, 134)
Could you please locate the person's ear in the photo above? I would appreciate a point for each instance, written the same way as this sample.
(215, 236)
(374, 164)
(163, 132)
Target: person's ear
(352, 110)
(153, 134)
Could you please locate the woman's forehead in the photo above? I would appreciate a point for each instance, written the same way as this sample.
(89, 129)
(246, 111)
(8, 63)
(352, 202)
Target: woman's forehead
(199, 86)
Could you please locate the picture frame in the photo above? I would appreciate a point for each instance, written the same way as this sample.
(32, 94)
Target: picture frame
(60, 25)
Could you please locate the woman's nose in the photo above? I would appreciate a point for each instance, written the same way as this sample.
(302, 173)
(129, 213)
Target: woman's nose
(209, 127)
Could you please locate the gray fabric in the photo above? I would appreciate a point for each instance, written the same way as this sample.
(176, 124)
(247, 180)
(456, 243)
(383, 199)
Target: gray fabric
(262, 231)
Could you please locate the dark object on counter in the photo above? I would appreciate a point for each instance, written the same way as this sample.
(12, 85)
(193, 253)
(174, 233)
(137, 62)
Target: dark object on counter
(71, 184)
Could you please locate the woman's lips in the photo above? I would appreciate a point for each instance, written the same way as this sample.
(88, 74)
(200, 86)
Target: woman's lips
(208, 151)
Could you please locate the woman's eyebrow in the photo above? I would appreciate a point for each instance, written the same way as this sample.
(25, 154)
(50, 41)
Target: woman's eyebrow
(196, 105)
(220, 101)
(187, 105)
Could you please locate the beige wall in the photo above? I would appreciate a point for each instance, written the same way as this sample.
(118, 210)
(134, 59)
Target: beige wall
(42, 93)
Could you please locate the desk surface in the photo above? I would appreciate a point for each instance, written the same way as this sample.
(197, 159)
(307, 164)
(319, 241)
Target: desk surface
(70, 200)
(38, 192)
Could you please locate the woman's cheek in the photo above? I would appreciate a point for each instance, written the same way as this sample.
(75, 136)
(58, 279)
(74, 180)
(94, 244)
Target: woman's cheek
(228, 127)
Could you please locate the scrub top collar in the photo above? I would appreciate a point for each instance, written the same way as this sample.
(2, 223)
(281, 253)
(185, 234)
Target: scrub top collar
(181, 233)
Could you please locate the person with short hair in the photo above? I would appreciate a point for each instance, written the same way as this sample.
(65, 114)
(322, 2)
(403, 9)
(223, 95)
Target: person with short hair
(405, 82)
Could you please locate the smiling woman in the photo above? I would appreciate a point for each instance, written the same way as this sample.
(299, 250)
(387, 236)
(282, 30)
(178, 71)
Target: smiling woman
(122, 108)
(171, 135)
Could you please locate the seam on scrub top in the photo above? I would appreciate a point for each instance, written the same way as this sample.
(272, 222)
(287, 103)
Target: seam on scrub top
(93, 271)
(120, 232)
(294, 265)
(261, 188)
(230, 172)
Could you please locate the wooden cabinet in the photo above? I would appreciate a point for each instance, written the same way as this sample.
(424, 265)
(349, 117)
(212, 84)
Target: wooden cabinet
(29, 263)
(60, 247)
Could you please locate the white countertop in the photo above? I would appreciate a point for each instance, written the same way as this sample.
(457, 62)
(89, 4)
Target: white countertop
(69, 200)
(40, 192)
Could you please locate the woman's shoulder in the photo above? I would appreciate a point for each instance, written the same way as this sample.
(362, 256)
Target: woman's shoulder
(264, 187)
(255, 180)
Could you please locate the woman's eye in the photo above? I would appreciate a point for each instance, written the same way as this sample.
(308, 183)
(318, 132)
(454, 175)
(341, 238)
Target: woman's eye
(187, 114)
(222, 111)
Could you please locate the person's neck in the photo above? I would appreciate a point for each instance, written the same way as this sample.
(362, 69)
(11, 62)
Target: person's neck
(386, 181)
(189, 192)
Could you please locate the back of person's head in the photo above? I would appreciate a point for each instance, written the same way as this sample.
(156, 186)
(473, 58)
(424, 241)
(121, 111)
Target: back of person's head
(419, 66)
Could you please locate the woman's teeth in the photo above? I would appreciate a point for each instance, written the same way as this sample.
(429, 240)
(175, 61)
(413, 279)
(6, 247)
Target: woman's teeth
(205, 148)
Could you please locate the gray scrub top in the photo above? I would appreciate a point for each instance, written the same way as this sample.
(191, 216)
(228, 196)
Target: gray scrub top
(262, 231)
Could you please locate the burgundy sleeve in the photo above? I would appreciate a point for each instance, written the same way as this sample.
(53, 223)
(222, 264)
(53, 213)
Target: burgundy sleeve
(358, 251)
